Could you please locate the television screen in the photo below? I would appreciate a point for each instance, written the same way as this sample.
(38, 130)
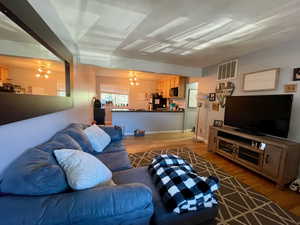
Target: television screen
(264, 114)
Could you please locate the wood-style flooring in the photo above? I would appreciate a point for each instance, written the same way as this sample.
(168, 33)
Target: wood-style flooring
(285, 198)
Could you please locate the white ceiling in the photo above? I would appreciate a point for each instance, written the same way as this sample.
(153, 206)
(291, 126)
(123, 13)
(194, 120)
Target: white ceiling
(125, 74)
(191, 33)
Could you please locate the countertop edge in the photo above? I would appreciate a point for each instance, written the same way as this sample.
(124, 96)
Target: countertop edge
(149, 111)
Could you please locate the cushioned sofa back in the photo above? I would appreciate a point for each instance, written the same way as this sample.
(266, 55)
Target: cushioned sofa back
(35, 172)
(78, 135)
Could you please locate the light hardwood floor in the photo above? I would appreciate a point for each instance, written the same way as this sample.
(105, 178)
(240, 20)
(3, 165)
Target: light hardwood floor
(285, 198)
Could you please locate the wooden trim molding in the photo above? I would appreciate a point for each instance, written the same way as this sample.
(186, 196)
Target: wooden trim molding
(16, 107)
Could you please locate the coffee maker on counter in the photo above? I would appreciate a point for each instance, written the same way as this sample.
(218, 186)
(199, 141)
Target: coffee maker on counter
(158, 102)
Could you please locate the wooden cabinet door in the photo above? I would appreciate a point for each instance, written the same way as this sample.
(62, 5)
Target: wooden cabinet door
(182, 84)
(3, 74)
(272, 158)
(212, 141)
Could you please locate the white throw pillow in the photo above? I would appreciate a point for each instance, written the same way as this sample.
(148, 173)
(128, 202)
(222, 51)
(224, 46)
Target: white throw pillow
(82, 169)
(98, 138)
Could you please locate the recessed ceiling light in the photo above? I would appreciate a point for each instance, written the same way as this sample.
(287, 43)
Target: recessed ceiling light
(177, 22)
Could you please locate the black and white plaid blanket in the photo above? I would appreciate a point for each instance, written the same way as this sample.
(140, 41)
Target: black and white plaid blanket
(181, 189)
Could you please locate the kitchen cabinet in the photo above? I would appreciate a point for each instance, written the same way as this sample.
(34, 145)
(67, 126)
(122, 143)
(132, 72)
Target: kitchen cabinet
(3, 74)
(164, 86)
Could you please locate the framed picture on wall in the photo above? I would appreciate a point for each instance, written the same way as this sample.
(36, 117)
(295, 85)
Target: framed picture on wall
(212, 97)
(218, 123)
(192, 98)
(296, 74)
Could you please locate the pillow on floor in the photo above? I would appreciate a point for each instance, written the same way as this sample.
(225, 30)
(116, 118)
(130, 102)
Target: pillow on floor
(98, 138)
(82, 169)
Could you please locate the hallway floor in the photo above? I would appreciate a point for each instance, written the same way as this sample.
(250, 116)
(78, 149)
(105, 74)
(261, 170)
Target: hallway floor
(285, 198)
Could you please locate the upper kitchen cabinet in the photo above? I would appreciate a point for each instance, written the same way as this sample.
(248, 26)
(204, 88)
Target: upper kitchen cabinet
(172, 88)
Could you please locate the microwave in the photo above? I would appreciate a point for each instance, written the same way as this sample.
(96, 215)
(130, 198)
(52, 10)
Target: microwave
(174, 92)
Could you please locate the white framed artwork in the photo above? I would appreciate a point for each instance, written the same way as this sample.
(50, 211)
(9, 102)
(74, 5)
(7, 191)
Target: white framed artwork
(263, 80)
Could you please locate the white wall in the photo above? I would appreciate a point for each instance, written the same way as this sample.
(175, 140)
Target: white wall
(15, 138)
(285, 56)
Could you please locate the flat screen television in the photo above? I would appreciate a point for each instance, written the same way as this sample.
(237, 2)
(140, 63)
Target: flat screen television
(260, 115)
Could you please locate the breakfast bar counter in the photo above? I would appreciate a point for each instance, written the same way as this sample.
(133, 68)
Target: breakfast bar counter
(150, 121)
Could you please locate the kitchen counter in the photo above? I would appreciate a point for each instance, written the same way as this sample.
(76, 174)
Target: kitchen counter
(147, 111)
(150, 121)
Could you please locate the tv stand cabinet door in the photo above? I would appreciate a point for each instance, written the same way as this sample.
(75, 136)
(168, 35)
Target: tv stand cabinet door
(272, 159)
(212, 140)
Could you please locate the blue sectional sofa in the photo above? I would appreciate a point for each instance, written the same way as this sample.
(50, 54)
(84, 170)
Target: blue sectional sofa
(34, 190)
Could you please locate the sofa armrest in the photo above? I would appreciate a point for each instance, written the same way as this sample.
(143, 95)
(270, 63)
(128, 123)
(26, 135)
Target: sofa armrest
(115, 133)
(95, 204)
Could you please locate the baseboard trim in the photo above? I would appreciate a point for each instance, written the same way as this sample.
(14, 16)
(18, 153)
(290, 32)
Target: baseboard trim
(155, 132)
(199, 138)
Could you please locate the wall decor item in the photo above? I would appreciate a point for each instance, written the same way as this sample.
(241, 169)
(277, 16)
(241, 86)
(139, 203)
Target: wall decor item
(296, 74)
(290, 88)
(263, 80)
(212, 97)
(223, 90)
(216, 106)
(218, 123)
(192, 98)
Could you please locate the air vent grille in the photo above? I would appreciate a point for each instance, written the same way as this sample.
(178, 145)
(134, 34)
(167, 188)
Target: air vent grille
(227, 70)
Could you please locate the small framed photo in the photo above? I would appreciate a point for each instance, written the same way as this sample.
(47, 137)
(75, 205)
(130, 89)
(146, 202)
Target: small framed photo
(212, 97)
(218, 123)
(216, 106)
(296, 74)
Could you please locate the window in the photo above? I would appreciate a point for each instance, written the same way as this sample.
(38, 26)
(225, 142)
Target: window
(227, 70)
(116, 99)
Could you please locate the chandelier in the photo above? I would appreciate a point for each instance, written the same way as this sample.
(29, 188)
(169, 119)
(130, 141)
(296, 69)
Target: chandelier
(133, 81)
(43, 72)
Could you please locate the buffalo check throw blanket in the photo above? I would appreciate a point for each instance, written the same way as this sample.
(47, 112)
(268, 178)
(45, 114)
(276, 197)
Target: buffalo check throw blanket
(181, 189)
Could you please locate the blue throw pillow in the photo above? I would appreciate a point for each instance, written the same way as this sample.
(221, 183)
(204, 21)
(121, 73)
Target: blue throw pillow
(35, 172)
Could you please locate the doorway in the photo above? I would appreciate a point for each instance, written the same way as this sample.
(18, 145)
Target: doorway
(191, 110)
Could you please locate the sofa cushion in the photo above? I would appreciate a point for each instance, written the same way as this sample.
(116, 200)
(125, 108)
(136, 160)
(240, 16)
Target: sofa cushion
(79, 136)
(98, 138)
(118, 205)
(59, 142)
(82, 169)
(115, 161)
(161, 214)
(35, 172)
(116, 146)
(115, 133)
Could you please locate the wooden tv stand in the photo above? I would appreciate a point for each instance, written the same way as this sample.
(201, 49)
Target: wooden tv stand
(274, 158)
